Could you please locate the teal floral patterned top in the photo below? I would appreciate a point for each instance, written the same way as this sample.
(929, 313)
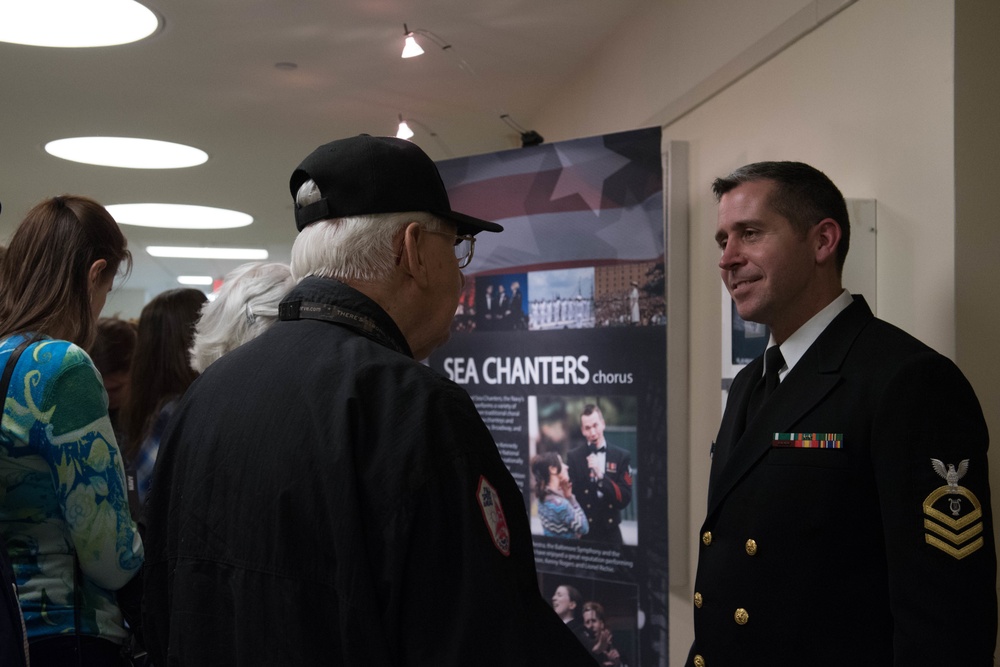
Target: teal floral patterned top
(62, 493)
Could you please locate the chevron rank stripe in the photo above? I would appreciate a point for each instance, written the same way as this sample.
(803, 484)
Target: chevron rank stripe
(957, 530)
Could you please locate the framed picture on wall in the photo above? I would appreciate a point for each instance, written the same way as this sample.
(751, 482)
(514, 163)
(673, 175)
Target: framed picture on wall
(742, 341)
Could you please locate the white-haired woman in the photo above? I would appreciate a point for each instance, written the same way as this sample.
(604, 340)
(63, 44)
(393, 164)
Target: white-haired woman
(246, 305)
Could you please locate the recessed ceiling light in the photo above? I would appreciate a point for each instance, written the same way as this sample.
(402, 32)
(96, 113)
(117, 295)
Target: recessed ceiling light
(195, 280)
(75, 23)
(178, 216)
(206, 253)
(127, 152)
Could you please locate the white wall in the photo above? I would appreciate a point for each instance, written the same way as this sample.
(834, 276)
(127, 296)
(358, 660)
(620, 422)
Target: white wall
(867, 97)
(125, 303)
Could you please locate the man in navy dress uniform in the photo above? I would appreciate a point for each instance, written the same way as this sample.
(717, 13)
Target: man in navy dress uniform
(848, 516)
(602, 481)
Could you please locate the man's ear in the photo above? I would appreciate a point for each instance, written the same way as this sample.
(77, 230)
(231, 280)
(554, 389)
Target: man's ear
(826, 237)
(411, 258)
(96, 273)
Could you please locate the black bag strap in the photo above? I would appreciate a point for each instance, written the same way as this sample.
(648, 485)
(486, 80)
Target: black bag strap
(11, 362)
(11, 595)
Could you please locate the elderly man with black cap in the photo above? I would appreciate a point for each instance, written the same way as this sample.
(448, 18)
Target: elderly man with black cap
(321, 497)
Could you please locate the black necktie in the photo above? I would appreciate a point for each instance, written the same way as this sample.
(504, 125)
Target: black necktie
(773, 361)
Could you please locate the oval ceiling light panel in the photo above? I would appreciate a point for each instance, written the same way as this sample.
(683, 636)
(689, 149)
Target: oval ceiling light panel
(126, 152)
(75, 23)
(178, 216)
(206, 253)
(201, 281)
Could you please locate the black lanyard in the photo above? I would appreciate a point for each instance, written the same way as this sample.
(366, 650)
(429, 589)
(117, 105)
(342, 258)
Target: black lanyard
(310, 310)
(11, 362)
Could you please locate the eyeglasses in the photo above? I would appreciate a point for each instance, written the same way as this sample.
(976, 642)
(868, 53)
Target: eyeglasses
(465, 246)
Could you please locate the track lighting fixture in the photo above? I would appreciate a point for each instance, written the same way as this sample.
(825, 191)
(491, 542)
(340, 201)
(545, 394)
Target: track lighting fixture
(410, 47)
(404, 131)
(528, 137)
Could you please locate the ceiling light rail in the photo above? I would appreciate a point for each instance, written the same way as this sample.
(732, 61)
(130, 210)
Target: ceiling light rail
(528, 137)
(412, 49)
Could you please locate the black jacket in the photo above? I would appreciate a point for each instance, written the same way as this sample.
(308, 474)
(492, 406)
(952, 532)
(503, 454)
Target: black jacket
(322, 498)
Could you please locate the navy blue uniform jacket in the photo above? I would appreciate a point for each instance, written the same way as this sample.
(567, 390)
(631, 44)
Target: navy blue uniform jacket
(604, 514)
(862, 555)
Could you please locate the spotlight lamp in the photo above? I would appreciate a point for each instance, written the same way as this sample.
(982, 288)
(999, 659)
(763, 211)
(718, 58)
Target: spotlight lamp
(404, 131)
(528, 137)
(410, 47)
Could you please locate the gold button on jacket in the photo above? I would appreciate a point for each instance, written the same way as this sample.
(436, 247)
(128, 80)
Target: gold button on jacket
(751, 547)
(706, 538)
(697, 600)
(699, 661)
(741, 616)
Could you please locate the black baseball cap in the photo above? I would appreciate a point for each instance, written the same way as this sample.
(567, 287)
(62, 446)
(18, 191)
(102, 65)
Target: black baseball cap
(366, 175)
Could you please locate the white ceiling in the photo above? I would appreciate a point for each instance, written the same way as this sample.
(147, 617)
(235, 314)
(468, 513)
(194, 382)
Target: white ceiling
(208, 78)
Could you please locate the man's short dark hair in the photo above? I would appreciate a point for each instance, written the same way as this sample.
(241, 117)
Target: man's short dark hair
(803, 194)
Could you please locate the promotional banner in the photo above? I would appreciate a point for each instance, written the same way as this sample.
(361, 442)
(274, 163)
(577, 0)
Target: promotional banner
(560, 339)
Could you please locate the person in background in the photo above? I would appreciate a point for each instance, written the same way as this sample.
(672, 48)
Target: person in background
(161, 373)
(558, 510)
(322, 497)
(13, 634)
(484, 310)
(64, 512)
(514, 312)
(567, 602)
(112, 354)
(633, 303)
(849, 475)
(502, 305)
(245, 305)
(601, 474)
(601, 640)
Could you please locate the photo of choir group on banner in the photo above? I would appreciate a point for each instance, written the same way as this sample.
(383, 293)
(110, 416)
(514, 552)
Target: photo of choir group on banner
(612, 295)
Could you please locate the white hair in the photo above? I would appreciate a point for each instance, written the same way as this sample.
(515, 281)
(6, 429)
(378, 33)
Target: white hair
(246, 305)
(352, 248)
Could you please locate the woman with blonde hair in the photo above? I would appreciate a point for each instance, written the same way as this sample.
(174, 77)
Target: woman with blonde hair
(64, 512)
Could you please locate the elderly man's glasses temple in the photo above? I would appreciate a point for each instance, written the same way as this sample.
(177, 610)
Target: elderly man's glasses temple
(465, 246)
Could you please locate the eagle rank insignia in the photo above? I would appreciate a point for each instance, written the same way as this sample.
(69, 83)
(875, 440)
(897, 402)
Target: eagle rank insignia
(952, 513)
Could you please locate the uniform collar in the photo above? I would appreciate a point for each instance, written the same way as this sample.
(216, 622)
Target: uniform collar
(803, 338)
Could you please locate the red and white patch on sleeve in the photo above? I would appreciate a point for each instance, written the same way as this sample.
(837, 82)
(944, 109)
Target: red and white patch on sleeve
(496, 522)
